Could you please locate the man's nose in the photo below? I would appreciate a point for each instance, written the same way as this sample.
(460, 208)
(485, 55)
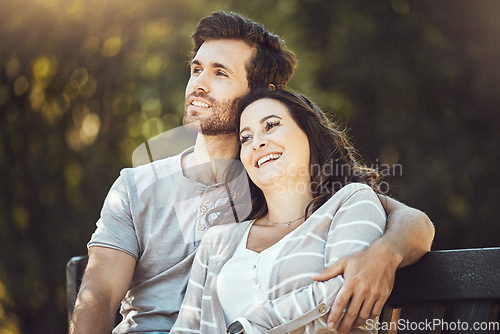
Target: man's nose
(201, 83)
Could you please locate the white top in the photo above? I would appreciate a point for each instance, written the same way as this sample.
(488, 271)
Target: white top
(243, 279)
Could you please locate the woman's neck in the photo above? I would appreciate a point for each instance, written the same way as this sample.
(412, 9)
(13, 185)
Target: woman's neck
(286, 206)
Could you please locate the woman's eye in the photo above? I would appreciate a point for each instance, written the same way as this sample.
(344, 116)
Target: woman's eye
(270, 125)
(245, 139)
(196, 70)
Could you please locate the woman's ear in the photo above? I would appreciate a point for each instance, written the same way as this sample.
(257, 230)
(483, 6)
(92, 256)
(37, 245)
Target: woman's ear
(272, 87)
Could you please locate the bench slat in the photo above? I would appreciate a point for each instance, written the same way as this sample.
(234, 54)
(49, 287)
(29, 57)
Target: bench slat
(385, 318)
(420, 314)
(467, 313)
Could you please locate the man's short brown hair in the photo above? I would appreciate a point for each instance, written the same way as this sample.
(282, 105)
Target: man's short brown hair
(272, 64)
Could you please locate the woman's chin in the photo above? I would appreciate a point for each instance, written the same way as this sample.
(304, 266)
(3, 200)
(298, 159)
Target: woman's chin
(265, 182)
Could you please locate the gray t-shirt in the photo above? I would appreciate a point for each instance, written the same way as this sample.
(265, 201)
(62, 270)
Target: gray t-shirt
(158, 216)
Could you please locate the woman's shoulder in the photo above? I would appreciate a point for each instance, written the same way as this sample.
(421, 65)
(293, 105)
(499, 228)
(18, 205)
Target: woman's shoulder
(351, 189)
(355, 186)
(351, 192)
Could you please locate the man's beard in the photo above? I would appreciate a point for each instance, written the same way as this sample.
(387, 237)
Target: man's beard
(221, 121)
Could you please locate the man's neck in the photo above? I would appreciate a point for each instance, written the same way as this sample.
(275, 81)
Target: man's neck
(210, 158)
(210, 148)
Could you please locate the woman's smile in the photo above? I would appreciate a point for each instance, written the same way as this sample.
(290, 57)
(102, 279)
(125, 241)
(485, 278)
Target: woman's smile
(268, 157)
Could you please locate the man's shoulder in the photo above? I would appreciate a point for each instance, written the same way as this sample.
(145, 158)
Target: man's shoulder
(153, 170)
(164, 145)
(151, 179)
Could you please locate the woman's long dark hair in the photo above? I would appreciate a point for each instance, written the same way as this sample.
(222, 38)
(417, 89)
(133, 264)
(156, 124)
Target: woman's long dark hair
(334, 163)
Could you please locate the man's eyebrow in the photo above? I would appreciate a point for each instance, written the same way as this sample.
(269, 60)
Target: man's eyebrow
(261, 121)
(219, 65)
(215, 65)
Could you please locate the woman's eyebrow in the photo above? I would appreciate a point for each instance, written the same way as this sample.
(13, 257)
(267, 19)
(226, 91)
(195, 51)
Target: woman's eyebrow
(261, 121)
(244, 129)
(268, 117)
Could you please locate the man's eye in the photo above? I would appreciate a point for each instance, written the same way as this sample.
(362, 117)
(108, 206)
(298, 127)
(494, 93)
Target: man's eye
(270, 125)
(196, 70)
(221, 74)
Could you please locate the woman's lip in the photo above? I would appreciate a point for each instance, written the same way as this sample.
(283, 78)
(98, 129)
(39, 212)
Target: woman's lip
(266, 158)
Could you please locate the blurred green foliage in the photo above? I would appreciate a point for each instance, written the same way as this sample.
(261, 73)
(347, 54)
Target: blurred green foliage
(84, 82)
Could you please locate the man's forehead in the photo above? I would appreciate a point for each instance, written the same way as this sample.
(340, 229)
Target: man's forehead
(224, 53)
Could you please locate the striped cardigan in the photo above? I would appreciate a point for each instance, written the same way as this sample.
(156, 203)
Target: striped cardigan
(348, 222)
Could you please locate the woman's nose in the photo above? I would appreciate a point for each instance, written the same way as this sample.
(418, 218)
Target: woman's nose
(260, 143)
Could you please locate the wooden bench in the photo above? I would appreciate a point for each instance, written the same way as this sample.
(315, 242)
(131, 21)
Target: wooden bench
(447, 292)
(459, 287)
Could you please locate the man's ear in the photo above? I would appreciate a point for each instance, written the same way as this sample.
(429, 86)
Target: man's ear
(272, 87)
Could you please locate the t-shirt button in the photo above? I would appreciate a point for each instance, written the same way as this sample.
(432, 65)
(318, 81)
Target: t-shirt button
(322, 309)
(254, 266)
(201, 227)
(256, 281)
(203, 209)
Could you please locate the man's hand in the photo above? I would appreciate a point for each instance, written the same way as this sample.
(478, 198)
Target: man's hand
(369, 278)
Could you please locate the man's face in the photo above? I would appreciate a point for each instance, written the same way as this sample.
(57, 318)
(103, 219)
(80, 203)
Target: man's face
(218, 76)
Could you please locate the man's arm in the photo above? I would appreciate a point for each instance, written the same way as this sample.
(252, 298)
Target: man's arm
(409, 231)
(369, 274)
(107, 278)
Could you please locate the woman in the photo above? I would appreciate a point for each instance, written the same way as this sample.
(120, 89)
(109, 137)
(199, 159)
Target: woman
(312, 202)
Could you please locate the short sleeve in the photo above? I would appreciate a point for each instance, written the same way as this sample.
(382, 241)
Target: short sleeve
(115, 228)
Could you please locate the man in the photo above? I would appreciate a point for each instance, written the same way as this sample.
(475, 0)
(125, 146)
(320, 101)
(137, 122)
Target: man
(155, 215)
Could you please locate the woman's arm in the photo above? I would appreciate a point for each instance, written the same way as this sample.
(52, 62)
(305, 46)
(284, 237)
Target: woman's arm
(359, 221)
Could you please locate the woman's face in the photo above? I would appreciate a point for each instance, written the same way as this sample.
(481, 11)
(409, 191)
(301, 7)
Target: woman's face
(274, 149)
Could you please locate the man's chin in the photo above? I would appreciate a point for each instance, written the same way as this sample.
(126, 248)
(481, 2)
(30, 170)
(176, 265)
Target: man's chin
(207, 128)
(192, 124)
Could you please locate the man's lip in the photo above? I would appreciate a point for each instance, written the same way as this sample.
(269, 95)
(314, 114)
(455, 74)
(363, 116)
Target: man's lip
(199, 99)
(256, 162)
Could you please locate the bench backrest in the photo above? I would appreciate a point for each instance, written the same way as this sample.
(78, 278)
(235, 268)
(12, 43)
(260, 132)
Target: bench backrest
(454, 291)
(459, 287)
